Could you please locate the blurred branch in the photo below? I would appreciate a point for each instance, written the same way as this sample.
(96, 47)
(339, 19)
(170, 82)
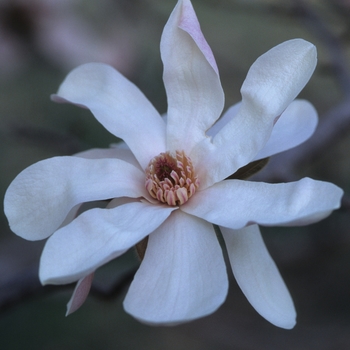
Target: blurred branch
(20, 288)
(331, 41)
(26, 285)
(334, 124)
(346, 203)
(43, 137)
(103, 293)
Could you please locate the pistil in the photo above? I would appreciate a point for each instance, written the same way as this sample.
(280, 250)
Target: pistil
(171, 179)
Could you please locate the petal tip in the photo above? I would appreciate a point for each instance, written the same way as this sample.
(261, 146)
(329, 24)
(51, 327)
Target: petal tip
(288, 322)
(189, 23)
(275, 79)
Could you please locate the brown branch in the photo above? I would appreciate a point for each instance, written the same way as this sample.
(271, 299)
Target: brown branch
(334, 124)
(345, 203)
(119, 285)
(22, 287)
(331, 41)
(25, 286)
(43, 137)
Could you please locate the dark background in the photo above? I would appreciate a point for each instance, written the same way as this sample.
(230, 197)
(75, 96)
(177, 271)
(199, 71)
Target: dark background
(40, 41)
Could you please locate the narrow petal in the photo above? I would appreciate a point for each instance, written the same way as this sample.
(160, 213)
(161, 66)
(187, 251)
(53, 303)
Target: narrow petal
(224, 119)
(80, 294)
(118, 105)
(236, 203)
(258, 277)
(296, 124)
(40, 197)
(183, 274)
(96, 237)
(272, 83)
(191, 78)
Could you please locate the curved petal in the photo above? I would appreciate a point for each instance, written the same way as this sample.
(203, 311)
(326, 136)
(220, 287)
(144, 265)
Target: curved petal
(236, 203)
(258, 277)
(41, 196)
(191, 78)
(116, 151)
(80, 293)
(98, 153)
(72, 214)
(296, 124)
(272, 83)
(96, 237)
(224, 119)
(183, 274)
(118, 105)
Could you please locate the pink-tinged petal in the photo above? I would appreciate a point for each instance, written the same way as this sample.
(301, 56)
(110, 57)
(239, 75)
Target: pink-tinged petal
(41, 196)
(272, 83)
(236, 203)
(96, 237)
(80, 294)
(183, 274)
(118, 105)
(191, 78)
(258, 277)
(296, 124)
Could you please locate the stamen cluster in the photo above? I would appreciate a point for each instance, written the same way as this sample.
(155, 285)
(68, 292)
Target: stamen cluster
(171, 178)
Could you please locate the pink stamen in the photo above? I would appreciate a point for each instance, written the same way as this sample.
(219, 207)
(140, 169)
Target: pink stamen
(171, 178)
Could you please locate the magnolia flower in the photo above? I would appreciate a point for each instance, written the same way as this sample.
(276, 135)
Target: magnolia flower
(167, 183)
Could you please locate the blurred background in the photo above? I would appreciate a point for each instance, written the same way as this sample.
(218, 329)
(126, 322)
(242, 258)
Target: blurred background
(42, 40)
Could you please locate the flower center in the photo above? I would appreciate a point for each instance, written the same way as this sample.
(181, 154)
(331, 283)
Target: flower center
(171, 178)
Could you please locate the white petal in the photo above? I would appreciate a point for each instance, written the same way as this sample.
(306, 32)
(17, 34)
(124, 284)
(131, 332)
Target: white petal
(272, 83)
(237, 203)
(183, 274)
(117, 152)
(41, 196)
(191, 78)
(258, 277)
(118, 105)
(224, 119)
(73, 213)
(80, 294)
(296, 124)
(276, 78)
(98, 153)
(96, 237)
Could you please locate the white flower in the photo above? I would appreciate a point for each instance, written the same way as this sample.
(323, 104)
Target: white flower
(169, 183)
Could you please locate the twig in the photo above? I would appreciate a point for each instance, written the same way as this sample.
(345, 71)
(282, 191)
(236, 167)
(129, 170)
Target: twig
(334, 124)
(26, 285)
(116, 288)
(331, 41)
